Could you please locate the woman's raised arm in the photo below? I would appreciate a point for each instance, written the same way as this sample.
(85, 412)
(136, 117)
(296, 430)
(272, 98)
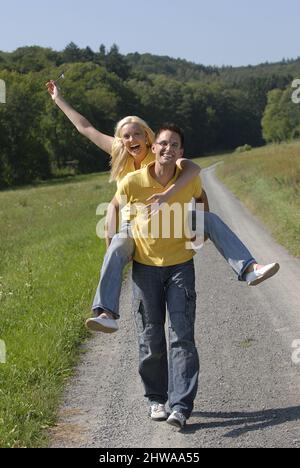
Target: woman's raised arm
(83, 126)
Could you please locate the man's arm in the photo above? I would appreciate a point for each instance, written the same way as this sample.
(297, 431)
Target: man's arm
(204, 200)
(111, 221)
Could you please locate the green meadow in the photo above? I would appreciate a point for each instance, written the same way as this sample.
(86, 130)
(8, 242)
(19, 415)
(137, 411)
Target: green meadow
(267, 181)
(49, 267)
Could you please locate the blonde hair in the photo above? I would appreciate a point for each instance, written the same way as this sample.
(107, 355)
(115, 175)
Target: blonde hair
(119, 154)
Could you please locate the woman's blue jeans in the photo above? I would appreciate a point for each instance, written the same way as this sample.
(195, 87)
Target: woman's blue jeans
(121, 251)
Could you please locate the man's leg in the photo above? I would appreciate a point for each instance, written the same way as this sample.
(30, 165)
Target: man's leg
(183, 355)
(150, 312)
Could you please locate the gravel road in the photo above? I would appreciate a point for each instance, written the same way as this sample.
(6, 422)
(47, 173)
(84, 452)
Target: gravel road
(249, 392)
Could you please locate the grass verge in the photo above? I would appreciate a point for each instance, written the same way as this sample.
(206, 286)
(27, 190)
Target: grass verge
(267, 181)
(49, 266)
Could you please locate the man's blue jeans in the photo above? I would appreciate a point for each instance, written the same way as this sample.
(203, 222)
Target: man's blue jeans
(121, 252)
(154, 290)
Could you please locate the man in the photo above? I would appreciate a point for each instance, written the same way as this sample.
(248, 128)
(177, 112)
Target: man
(163, 276)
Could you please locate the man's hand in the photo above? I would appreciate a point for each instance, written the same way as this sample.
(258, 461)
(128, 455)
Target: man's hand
(204, 200)
(107, 242)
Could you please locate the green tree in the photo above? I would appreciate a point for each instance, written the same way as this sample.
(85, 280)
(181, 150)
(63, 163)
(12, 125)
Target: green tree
(116, 63)
(23, 153)
(72, 53)
(281, 119)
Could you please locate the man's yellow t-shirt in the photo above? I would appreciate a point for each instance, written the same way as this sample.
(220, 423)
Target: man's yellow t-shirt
(161, 240)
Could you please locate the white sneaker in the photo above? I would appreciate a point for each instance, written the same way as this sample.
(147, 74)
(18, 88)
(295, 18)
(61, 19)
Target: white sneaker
(104, 325)
(158, 412)
(177, 419)
(258, 276)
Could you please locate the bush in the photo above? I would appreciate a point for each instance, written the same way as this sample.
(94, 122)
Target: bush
(243, 149)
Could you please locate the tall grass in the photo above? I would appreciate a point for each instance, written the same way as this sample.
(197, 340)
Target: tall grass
(49, 267)
(267, 180)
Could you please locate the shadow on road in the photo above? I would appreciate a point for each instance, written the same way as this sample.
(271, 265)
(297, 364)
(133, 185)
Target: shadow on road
(248, 421)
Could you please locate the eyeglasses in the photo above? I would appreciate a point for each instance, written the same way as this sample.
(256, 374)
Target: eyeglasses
(165, 144)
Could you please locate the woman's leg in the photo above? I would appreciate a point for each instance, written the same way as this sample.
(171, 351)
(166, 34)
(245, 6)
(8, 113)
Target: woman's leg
(118, 255)
(207, 224)
(228, 244)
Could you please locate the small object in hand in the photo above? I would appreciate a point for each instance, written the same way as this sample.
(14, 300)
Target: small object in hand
(61, 77)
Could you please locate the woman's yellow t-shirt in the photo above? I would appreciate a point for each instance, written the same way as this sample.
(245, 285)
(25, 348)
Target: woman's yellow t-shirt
(130, 167)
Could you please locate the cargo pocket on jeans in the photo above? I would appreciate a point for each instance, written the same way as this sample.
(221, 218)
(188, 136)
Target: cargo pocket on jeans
(139, 316)
(190, 310)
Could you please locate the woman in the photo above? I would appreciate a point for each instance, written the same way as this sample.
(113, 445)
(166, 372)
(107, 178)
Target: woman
(130, 150)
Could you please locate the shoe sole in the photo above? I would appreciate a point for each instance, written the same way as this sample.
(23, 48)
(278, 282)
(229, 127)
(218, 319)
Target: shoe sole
(175, 423)
(162, 418)
(98, 327)
(266, 276)
(159, 419)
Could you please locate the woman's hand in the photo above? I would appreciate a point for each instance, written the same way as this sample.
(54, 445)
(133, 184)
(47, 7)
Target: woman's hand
(52, 89)
(157, 200)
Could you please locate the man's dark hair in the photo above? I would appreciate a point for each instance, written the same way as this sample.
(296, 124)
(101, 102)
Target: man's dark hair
(173, 128)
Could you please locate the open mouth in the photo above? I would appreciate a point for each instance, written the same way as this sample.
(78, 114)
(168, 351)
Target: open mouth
(135, 147)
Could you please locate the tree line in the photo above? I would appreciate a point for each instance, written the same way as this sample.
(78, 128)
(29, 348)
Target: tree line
(219, 108)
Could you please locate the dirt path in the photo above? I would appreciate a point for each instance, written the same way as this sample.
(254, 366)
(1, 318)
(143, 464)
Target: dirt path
(249, 392)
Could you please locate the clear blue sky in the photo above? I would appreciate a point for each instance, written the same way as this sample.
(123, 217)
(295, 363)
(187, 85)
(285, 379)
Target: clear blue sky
(212, 32)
